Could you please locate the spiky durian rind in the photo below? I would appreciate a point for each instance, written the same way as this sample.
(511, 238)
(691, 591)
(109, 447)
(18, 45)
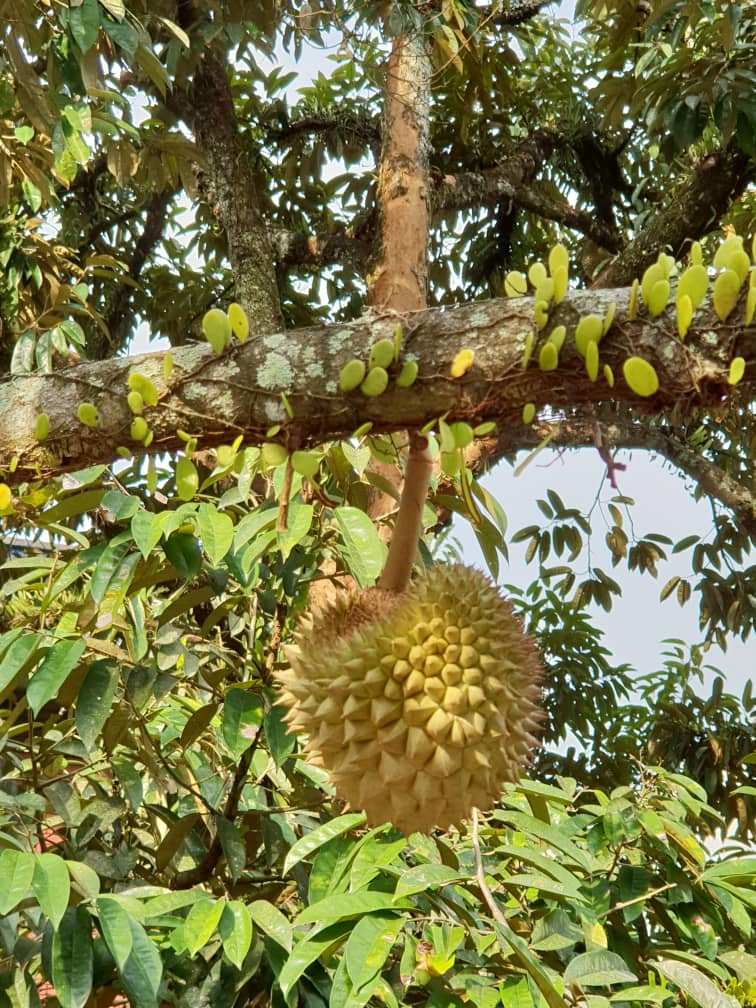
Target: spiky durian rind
(420, 705)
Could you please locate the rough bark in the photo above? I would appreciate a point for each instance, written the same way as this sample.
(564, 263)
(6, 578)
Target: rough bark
(240, 391)
(350, 246)
(399, 278)
(692, 210)
(229, 186)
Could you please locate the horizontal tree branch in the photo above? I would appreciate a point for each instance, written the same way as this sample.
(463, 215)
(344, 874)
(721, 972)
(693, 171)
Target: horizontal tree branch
(254, 385)
(355, 125)
(294, 249)
(517, 12)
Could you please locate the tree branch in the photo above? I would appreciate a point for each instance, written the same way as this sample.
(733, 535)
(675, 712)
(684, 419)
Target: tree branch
(295, 250)
(626, 432)
(240, 392)
(693, 208)
(118, 319)
(509, 182)
(206, 868)
(356, 125)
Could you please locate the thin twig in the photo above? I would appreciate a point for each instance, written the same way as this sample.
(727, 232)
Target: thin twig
(480, 874)
(639, 899)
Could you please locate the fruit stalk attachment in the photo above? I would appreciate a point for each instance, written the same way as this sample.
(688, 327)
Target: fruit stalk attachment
(409, 520)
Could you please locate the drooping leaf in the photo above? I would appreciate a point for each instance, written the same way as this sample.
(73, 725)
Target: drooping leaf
(52, 885)
(72, 958)
(55, 668)
(201, 923)
(695, 984)
(312, 841)
(235, 929)
(242, 718)
(16, 873)
(599, 968)
(95, 700)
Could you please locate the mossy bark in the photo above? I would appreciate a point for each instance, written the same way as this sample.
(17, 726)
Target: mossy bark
(240, 392)
(228, 184)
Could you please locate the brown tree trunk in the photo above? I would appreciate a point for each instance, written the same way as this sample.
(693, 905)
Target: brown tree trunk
(398, 281)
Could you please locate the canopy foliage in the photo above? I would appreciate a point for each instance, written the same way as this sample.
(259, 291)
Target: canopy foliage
(161, 837)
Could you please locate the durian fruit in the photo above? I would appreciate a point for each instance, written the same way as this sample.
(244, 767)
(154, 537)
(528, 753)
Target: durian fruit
(421, 704)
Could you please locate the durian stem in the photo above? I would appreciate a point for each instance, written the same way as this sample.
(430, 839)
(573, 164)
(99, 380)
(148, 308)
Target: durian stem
(408, 526)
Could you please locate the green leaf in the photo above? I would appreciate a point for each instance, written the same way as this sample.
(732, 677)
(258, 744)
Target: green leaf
(281, 742)
(173, 840)
(16, 656)
(368, 948)
(599, 968)
(235, 929)
(644, 992)
(72, 958)
(216, 530)
(52, 886)
(270, 920)
(184, 552)
(16, 873)
(252, 524)
(232, 843)
(95, 700)
(115, 925)
(32, 195)
(369, 858)
(548, 865)
(694, 984)
(364, 552)
(56, 666)
(312, 841)
(546, 884)
(298, 525)
(743, 868)
(122, 506)
(550, 835)
(241, 719)
(143, 970)
(187, 478)
(116, 8)
(201, 922)
(307, 951)
(85, 880)
(84, 23)
(515, 993)
(146, 530)
(555, 931)
(423, 877)
(507, 939)
(168, 902)
(357, 904)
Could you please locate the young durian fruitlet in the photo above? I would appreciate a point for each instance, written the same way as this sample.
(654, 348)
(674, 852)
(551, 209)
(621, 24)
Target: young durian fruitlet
(421, 700)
